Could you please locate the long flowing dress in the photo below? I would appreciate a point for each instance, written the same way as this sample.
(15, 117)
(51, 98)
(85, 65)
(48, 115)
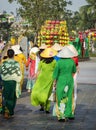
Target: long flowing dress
(75, 82)
(43, 85)
(64, 88)
(32, 65)
(11, 75)
(22, 61)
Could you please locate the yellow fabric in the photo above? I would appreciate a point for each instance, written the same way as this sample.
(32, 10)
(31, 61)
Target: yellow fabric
(22, 61)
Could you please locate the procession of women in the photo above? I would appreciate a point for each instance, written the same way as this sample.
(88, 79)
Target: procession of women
(52, 78)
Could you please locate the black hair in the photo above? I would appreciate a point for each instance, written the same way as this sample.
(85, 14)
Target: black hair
(5, 57)
(35, 45)
(41, 58)
(41, 50)
(48, 60)
(21, 49)
(10, 53)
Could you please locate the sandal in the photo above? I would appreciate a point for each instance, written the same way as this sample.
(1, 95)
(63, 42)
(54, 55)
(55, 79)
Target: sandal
(6, 115)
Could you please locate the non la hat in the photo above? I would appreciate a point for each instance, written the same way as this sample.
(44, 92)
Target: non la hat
(73, 49)
(34, 50)
(57, 47)
(43, 46)
(48, 53)
(66, 53)
(16, 49)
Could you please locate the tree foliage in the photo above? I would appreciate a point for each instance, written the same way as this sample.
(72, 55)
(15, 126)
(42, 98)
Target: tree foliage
(37, 11)
(85, 18)
(88, 13)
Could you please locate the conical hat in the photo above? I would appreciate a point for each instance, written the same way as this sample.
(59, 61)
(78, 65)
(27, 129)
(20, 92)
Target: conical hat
(73, 49)
(16, 49)
(34, 50)
(57, 47)
(66, 53)
(48, 53)
(43, 46)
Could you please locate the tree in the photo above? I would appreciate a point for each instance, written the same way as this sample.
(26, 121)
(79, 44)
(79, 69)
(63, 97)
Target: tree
(37, 11)
(90, 10)
(5, 24)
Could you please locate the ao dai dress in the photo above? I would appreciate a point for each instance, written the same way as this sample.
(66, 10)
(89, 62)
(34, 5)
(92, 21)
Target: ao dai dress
(64, 87)
(43, 86)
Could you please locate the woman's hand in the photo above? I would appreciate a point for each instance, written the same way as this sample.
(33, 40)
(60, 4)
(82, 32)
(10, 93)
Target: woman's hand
(54, 84)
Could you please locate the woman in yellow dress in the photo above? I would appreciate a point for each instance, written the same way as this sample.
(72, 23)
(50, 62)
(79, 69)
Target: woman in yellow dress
(20, 57)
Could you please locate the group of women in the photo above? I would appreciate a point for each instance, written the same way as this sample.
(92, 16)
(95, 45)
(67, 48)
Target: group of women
(48, 68)
(56, 69)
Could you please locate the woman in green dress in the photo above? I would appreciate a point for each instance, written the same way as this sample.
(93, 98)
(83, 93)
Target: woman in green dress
(63, 78)
(11, 76)
(43, 86)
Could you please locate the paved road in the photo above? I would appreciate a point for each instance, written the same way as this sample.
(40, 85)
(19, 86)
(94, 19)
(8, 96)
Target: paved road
(87, 73)
(28, 117)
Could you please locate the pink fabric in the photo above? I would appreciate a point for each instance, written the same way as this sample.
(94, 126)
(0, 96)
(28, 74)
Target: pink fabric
(31, 67)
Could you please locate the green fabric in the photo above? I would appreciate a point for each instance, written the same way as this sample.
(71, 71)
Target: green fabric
(43, 85)
(64, 88)
(0, 100)
(87, 47)
(9, 97)
(11, 76)
(77, 39)
(78, 46)
(10, 69)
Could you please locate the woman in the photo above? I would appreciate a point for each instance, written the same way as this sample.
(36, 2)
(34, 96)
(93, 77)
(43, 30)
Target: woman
(63, 77)
(43, 86)
(32, 64)
(58, 48)
(11, 75)
(20, 57)
(75, 58)
(42, 48)
(0, 89)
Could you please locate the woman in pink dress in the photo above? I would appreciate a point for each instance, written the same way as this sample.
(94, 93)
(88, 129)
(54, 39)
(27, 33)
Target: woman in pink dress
(32, 64)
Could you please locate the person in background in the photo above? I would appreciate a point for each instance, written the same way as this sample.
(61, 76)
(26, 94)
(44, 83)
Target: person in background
(42, 48)
(2, 45)
(11, 76)
(63, 78)
(32, 65)
(43, 86)
(20, 57)
(0, 94)
(0, 89)
(4, 57)
(75, 58)
(57, 47)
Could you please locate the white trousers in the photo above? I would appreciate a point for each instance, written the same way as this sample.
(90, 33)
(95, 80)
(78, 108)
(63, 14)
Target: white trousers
(75, 89)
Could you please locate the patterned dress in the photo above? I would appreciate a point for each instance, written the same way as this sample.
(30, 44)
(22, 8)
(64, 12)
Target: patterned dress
(64, 88)
(11, 75)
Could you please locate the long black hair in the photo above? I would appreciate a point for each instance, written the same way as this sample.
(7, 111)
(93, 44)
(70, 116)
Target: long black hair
(48, 60)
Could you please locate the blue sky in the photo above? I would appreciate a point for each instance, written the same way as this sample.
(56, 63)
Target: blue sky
(4, 5)
(76, 4)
